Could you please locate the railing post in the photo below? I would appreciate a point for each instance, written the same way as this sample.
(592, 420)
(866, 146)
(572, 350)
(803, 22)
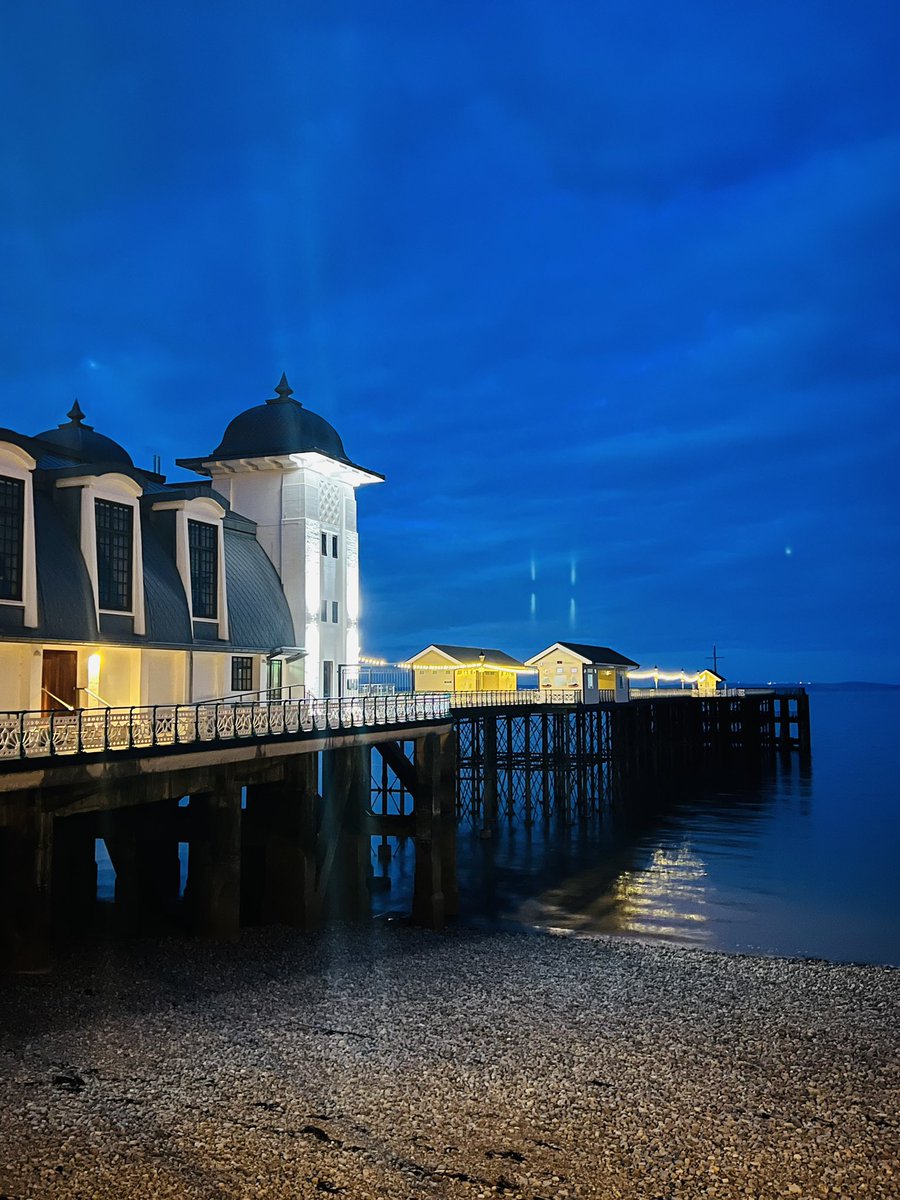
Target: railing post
(21, 735)
(106, 730)
(52, 739)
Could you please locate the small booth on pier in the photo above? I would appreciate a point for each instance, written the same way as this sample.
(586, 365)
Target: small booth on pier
(442, 668)
(590, 673)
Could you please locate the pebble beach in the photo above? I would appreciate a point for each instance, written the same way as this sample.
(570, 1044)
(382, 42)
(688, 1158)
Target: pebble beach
(393, 1062)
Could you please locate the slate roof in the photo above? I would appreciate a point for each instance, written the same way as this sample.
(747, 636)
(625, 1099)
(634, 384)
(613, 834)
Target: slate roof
(82, 442)
(165, 603)
(65, 600)
(259, 618)
(472, 654)
(597, 656)
(279, 426)
(258, 613)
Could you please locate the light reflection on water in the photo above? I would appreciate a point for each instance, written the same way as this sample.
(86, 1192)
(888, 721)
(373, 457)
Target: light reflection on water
(801, 862)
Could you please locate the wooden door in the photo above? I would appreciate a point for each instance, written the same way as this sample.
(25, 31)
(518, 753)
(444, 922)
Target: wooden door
(59, 680)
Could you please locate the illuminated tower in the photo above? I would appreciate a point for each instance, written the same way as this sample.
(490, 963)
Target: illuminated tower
(285, 468)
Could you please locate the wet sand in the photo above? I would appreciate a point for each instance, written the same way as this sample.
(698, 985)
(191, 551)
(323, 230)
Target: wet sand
(391, 1062)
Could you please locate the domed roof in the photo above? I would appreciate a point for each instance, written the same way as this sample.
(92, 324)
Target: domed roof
(77, 440)
(280, 426)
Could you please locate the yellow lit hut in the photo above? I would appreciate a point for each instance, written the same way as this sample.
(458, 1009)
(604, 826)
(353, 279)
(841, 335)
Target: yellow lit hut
(708, 682)
(591, 673)
(441, 668)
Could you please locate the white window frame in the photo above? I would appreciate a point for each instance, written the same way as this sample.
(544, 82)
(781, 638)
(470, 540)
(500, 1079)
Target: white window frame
(118, 489)
(209, 512)
(16, 463)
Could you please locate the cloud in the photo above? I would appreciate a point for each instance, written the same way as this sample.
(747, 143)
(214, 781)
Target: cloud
(618, 283)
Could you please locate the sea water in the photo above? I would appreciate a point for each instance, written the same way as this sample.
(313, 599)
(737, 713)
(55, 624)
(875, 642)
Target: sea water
(802, 862)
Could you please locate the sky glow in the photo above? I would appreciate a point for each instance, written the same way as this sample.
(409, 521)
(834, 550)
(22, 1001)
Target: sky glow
(609, 292)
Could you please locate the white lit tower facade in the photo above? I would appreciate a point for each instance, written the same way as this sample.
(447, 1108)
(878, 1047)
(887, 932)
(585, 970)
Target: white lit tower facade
(285, 468)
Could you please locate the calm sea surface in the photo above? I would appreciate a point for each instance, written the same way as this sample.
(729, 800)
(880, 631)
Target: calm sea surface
(806, 863)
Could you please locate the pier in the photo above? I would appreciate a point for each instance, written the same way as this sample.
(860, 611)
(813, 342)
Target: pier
(279, 801)
(272, 799)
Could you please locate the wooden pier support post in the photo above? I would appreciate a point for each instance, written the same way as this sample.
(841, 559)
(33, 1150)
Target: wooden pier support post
(278, 880)
(447, 805)
(213, 891)
(26, 850)
(344, 851)
(804, 737)
(785, 741)
(142, 843)
(489, 777)
(74, 872)
(435, 894)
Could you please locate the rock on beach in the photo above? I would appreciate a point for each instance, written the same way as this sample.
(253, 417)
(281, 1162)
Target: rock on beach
(391, 1062)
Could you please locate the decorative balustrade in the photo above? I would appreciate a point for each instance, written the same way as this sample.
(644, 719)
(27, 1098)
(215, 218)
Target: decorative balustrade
(525, 696)
(670, 693)
(96, 730)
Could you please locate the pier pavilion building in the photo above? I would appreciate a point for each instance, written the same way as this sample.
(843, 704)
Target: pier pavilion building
(119, 588)
(444, 668)
(587, 672)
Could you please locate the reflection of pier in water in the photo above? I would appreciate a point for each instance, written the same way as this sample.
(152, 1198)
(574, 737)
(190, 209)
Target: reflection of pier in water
(659, 862)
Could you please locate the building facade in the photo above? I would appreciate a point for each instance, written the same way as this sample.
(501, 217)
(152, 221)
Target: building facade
(589, 673)
(444, 668)
(119, 588)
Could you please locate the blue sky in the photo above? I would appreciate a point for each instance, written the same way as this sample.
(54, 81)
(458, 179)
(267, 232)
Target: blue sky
(609, 291)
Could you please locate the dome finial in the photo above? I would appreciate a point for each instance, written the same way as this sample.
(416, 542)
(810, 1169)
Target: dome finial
(283, 392)
(75, 415)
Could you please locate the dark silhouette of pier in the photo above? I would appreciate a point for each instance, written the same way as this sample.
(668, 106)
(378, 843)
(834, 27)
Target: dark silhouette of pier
(285, 798)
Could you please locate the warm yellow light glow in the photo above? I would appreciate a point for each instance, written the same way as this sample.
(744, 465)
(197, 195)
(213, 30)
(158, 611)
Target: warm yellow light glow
(476, 666)
(373, 662)
(93, 672)
(671, 676)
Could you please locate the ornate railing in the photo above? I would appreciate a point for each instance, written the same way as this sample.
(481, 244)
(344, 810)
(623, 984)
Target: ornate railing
(718, 694)
(96, 730)
(525, 696)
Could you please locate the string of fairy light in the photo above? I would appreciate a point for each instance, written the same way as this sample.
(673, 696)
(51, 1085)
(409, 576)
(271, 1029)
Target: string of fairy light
(654, 673)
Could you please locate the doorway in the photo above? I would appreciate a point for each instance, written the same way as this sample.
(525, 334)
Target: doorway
(327, 677)
(276, 666)
(59, 680)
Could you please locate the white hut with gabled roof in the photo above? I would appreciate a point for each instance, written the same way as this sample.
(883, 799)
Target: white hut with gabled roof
(590, 673)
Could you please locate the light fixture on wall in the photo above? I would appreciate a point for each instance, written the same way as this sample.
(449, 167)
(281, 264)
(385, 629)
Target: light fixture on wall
(93, 678)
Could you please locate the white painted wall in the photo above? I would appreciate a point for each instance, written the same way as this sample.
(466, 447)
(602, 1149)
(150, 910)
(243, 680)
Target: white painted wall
(209, 682)
(164, 677)
(292, 507)
(16, 670)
